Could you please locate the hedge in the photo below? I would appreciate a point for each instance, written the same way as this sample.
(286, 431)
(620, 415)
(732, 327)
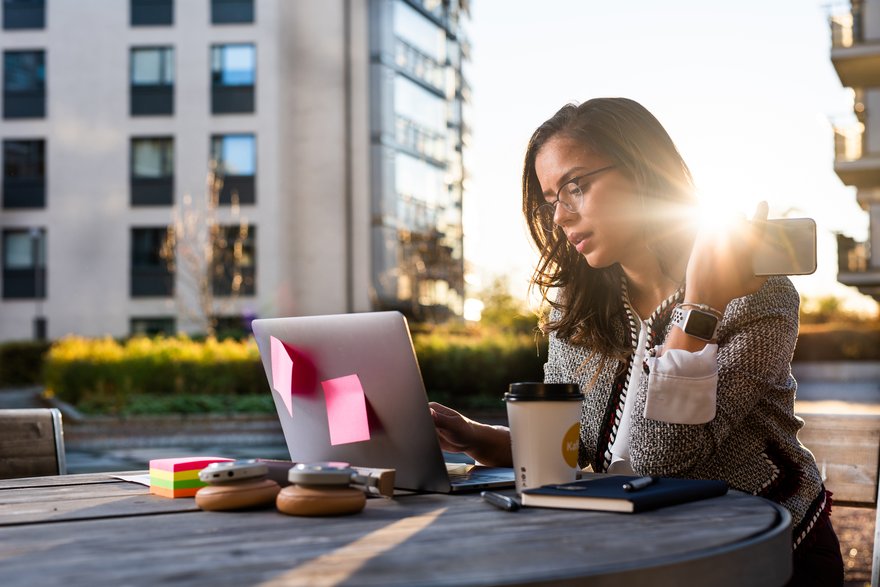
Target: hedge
(21, 363)
(835, 342)
(105, 375)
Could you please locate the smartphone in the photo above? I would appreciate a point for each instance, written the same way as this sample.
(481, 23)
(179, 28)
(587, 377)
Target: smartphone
(230, 471)
(788, 247)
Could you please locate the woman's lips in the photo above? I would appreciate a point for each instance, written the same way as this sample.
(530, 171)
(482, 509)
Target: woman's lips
(580, 240)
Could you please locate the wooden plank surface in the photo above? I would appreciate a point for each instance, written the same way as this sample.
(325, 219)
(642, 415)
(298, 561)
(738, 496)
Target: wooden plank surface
(846, 447)
(27, 443)
(60, 480)
(423, 539)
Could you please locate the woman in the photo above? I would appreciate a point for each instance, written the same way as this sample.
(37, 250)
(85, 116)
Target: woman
(683, 354)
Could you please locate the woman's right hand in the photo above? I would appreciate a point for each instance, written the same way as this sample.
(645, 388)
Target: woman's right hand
(488, 445)
(456, 433)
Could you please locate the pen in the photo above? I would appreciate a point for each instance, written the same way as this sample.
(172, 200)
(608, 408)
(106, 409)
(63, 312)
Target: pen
(500, 501)
(639, 483)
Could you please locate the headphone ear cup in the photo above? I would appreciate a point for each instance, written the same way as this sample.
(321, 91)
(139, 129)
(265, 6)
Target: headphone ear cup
(299, 500)
(237, 495)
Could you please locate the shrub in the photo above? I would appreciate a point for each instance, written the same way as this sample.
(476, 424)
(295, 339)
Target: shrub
(21, 363)
(474, 371)
(106, 372)
(837, 342)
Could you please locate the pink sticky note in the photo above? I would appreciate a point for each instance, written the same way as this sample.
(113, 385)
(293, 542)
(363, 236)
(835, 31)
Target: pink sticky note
(346, 410)
(282, 372)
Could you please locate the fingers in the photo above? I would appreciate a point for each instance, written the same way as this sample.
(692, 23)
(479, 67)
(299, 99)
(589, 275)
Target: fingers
(761, 211)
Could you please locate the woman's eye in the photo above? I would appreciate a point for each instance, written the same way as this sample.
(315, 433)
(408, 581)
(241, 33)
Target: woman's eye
(578, 190)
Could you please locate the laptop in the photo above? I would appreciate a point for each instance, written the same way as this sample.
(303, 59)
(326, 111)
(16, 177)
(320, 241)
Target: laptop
(348, 388)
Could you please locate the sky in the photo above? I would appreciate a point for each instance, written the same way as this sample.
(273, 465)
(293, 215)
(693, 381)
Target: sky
(746, 90)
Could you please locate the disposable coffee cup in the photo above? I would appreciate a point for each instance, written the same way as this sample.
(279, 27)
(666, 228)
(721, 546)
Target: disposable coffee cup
(544, 423)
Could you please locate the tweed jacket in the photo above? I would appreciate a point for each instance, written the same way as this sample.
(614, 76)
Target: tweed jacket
(751, 442)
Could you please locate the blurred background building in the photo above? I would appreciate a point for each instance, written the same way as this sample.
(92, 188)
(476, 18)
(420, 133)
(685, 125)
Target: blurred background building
(337, 129)
(855, 53)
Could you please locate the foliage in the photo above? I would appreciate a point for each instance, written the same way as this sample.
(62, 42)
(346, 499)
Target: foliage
(107, 372)
(503, 311)
(461, 367)
(836, 342)
(829, 309)
(474, 371)
(21, 362)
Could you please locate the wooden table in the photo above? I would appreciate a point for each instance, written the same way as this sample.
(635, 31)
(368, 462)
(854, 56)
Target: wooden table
(96, 530)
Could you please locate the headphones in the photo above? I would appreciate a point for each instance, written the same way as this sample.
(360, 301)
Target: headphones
(317, 489)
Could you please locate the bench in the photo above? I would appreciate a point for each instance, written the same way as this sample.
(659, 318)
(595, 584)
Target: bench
(31, 443)
(847, 450)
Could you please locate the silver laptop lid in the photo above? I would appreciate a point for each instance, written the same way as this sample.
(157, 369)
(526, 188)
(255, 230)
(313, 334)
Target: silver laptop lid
(348, 388)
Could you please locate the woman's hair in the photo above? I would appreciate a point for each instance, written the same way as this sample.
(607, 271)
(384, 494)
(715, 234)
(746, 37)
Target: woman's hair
(629, 136)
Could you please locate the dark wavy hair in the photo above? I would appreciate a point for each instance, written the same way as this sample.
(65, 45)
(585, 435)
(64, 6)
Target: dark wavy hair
(624, 132)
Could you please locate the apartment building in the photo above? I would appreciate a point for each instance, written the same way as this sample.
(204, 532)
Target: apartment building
(334, 129)
(855, 53)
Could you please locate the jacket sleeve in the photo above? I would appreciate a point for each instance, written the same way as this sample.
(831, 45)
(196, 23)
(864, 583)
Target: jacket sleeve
(756, 343)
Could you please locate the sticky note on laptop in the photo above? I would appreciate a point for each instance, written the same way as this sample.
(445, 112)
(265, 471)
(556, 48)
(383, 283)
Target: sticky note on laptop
(282, 372)
(346, 410)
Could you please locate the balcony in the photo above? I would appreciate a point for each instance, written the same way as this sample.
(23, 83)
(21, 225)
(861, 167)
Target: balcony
(852, 164)
(422, 140)
(856, 59)
(854, 266)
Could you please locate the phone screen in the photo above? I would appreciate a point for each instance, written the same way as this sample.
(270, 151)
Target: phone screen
(788, 248)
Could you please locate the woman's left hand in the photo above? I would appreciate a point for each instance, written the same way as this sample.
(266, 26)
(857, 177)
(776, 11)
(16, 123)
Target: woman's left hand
(720, 266)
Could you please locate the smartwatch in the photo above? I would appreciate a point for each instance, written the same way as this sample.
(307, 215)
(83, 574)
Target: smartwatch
(697, 323)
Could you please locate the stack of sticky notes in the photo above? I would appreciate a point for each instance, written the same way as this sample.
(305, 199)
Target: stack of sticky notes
(179, 477)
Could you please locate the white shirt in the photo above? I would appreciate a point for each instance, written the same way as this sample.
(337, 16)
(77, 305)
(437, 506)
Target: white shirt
(681, 390)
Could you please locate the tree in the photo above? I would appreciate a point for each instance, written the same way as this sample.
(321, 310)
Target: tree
(210, 259)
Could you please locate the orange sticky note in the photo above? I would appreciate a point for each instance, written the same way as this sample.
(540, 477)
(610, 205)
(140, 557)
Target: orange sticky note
(346, 410)
(282, 372)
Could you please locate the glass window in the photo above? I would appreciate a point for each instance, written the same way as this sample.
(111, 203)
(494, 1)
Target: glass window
(24, 71)
(153, 66)
(419, 32)
(234, 154)
(232, 11)
(24, 14)
(235, 260)
(18, 249)
(233, 65)
(151, 12)
(24, 159)
(146, 246)
(419, 180)
(419, 105)
(152, 326)
(152, 157)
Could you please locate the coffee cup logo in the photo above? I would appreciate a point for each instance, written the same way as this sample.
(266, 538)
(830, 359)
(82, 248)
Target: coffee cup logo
(570, 445)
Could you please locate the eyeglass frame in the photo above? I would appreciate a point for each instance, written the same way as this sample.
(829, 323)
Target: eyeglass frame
(552, 204)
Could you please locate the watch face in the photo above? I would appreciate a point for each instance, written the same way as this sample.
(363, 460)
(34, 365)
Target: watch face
(701, 325)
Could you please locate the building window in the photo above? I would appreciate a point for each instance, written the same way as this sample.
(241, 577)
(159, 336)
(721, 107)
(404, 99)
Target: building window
(234, 158)
(232, 11)
(152, 171)
(24, 174)
(152, 12)
(233, 69)
(24, 84)
(234, 261)
(152, 326)
(152, 81)
(150, 272)
(24, 263)
(24, 14)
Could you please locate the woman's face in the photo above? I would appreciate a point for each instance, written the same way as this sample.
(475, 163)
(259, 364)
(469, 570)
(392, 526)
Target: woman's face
(607, 227)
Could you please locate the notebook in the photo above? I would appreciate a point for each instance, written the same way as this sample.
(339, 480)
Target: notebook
(347, 388)
(607, 493)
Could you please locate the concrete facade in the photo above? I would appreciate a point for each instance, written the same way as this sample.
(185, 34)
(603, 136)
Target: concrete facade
(314, 170)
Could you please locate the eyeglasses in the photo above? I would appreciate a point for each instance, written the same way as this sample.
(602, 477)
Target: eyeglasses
(570, 195)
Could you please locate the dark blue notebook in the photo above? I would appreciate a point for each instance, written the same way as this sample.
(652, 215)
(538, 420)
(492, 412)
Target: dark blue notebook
(606, 493)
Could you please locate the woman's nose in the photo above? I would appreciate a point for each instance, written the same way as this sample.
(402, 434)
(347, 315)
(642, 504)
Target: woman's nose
(561, 215)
